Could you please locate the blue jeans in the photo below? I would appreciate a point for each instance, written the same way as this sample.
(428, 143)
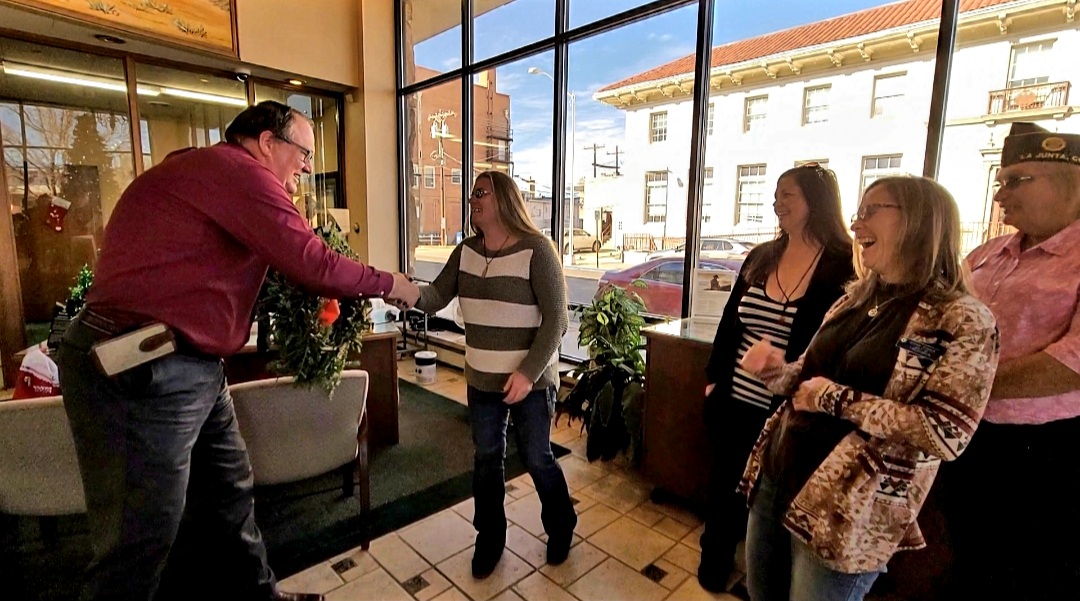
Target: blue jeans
(153, 442)
(781, 568)
(532, 425)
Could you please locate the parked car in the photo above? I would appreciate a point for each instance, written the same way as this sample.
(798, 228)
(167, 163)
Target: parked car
(714, 248)
(663, 280)
(582, 241)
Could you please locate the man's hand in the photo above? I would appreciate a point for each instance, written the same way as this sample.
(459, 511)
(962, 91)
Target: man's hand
(806, 396)
(405, 293)
(516, 388)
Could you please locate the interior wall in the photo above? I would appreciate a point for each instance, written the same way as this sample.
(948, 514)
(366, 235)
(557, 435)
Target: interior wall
(371, 140)
(319, 41)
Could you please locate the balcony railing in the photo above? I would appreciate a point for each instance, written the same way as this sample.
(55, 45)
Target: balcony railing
(501, 132)
(1024, 98)
(495, 155)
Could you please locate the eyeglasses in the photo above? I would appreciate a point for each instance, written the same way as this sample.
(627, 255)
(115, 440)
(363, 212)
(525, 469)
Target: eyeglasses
(867, 212)
(479, 193)
(309, 155)
(1011, 183)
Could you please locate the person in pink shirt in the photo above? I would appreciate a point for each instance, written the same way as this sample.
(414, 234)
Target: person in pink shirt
(188, 246)
(1011, 499)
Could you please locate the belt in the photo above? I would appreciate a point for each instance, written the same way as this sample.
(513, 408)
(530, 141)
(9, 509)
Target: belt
(99, 322)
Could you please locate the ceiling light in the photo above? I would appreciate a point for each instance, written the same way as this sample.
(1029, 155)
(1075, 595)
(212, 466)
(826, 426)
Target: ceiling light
(216, 99)
(88, 81)
(296, 82)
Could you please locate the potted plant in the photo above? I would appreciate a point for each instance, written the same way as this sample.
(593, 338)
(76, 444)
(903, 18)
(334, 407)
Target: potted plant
(607, 396)
(314, 337)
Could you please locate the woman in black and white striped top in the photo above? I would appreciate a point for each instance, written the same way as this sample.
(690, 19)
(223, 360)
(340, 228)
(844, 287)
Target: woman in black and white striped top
(782, 293)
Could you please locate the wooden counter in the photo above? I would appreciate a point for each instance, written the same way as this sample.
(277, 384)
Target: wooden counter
(676, 453)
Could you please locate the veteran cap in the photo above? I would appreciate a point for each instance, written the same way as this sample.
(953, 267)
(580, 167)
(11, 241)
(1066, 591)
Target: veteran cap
(1028, 142)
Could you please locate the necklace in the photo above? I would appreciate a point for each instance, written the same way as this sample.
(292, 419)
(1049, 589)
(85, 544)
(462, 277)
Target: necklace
(487, 261)
(776, 274)
(873, 312)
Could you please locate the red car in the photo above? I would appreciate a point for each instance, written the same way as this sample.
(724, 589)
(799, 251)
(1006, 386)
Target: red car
(663, 279)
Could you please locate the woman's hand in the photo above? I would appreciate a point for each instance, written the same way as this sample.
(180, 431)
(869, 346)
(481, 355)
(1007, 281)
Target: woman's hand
(805, 397)
(709, 389)
(762, 358)
(518, 385)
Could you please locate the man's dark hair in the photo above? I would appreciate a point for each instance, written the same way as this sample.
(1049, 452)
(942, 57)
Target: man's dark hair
(268, 115)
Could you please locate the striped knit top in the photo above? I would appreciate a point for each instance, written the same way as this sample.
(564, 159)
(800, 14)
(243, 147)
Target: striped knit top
(514, 305)
(763, 318)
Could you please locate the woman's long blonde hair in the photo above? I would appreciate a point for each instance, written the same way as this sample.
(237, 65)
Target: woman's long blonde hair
(512, 212)
(929, 242)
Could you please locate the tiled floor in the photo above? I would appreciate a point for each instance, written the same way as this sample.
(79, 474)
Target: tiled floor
(626, 548)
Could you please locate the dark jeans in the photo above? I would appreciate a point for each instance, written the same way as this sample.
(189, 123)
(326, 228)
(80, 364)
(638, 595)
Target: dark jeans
(732, 426)
(532, 425)
(150, 441)
(1010, 506)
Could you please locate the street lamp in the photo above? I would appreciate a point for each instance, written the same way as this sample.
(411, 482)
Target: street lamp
(573, 130)
(440, 131)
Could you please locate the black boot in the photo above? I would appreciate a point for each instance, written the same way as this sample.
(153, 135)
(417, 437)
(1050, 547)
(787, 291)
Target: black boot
(486, 555)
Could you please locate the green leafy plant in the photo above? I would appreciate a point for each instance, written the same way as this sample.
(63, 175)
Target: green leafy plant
(313, 353)
(607, 396)
(77, 293)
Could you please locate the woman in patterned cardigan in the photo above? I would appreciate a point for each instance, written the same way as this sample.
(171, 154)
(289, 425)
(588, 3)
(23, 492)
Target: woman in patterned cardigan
(894, 382)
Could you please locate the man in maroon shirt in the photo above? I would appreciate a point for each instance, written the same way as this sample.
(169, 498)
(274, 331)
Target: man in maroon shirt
(188, 245)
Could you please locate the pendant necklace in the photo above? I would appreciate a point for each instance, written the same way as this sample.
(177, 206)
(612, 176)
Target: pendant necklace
(776, 274)
(873, 312)
(487, 261)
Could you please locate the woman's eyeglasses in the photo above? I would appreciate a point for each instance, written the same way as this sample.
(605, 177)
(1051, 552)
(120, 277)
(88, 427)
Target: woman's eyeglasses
(479, 193)
(1011, 183)
(867, 212)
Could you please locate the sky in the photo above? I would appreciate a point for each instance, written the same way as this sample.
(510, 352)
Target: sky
(599, 61)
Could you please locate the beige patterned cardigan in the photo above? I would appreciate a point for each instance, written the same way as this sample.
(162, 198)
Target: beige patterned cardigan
(859, 507)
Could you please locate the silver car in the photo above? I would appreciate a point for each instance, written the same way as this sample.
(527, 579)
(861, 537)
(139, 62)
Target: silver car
(712, 248)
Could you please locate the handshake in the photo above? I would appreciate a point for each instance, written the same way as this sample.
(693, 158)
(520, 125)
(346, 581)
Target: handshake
(405, 292)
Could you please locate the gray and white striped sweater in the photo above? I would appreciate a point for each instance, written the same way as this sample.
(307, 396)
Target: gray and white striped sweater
(515, 315)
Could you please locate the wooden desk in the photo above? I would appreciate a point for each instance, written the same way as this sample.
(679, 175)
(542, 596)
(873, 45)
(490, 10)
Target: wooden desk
(378, 357)
(675, 450)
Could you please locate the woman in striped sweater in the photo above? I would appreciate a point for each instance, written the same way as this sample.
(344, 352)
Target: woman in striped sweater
(510, 285)
(782, 293)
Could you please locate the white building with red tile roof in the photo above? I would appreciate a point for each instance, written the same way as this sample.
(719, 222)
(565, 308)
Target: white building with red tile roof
(852, 91)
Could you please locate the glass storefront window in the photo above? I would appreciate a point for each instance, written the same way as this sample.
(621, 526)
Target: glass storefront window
(66, 142)
(323, 186)
(430, 38)
(496, 33)
(179, 109)
(433, 209)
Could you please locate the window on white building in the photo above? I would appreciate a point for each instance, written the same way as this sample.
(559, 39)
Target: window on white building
(755, 112)
(707, 195)
(816, 104)
(750, 196)
(888, 94)
(1030, 64)
(709, 125)
(429, 177)
(658, 127)
(874, 168)
(656, 196)
(455, 177)
(416, 175)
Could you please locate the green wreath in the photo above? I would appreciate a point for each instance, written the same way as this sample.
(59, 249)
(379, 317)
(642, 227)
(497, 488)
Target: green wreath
(315, 354)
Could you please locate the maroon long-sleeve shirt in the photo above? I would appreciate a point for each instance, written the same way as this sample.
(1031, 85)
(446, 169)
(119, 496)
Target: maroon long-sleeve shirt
(190, 241)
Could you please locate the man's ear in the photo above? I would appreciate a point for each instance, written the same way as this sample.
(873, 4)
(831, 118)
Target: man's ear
(265, 139)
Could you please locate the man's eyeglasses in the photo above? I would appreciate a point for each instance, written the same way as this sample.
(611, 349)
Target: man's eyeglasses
(1011, 183)
(479, 193)
(867, 212)
(309, 155)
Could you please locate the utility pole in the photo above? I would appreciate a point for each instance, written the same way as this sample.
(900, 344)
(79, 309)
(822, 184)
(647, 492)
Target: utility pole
(616, 153)
(594, 148)
(440, 131)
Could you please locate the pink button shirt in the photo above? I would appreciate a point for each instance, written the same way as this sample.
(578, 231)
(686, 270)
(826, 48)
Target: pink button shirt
(1033, 294)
